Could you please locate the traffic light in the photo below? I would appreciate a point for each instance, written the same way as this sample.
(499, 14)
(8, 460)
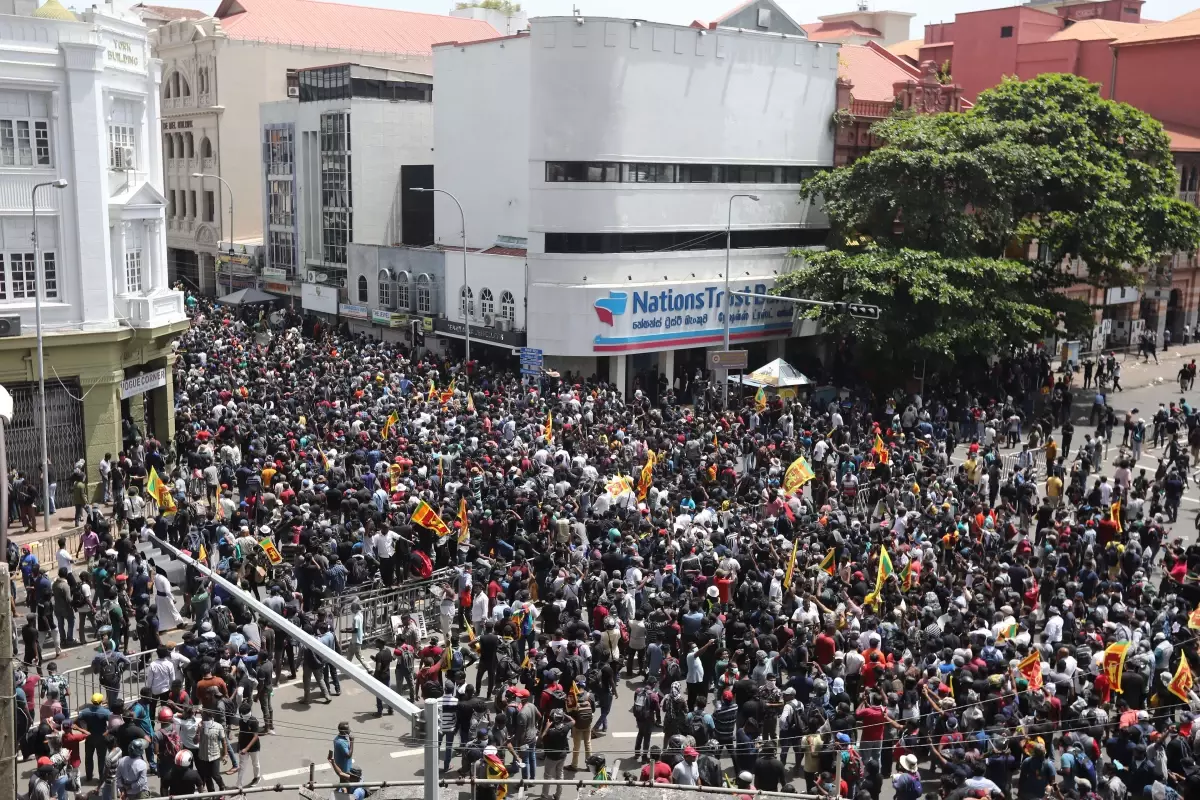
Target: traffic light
(418, 333)
(863, 311)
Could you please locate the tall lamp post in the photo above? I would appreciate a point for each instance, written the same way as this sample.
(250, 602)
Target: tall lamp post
(39, 283)
(467, 300)
(728, 299)
(229, 189)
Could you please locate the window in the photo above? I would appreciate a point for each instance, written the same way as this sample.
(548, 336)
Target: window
(170, 202)
(363, 290)
(336, 190)
(281, 203)
(183, 84)
(281, 250)
(402, 291)
(169, 146)
(424, 295)
(335, 235)
(386, 295)
(682, 240)
(189, 145)
(205, 148)
(466, 302)
(121, 151)
(192, 203)
(487, 304)
(22, 272)
(1006, 32)
(210, 206)
(279, 149)
(612, 172)
(508, 307)
(133, 258)
(49, 276)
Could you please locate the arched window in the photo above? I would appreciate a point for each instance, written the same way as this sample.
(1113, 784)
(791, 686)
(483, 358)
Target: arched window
(167, 89)
(183, 84)
(202, 79)
(175, 84)
(364, 292)
(402, 302)
(508, 306)
(424, 296)
(386, 295)
(487, 303)
(205, 148)
(189, 145)
(179, 145)
(466, 302)
(169, 146)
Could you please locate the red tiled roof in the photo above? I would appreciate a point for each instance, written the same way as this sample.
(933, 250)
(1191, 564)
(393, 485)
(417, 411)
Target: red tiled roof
(872, 71)
(496, 250)
(910, 49)
(1183, 138)
(1097, 30)
(170, 12)
(827, 31)
(345, 27)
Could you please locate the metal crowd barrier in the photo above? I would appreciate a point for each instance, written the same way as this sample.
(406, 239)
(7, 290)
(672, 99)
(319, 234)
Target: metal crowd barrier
(421, 598)
(82, 682)
(46, 547)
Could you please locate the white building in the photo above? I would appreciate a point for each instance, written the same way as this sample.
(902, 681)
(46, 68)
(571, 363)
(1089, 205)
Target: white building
(338, 161)
(218, 70)
(79, 101)
(614, 147)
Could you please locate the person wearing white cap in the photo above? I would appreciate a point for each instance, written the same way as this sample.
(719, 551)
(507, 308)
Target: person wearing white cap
(907, 782)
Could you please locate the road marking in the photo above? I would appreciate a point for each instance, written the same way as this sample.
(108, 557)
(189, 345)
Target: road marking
(291, 773)
(413, 751)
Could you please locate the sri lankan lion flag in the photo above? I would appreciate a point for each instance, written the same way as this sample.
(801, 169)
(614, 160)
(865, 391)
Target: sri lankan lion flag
(760, 400)
(388, 424)
(829, 562)
(907, 577)
(496, 771)
(426, 517)
(880, 451)
(324, 458)
(619, 486)
(1030, 668)
(1194, 618)
(791, 570)
(471, 402)
(1183, 681)
(161, 494)
(798, 474)
(464, 526)
(432, 391)
(549, 431)
(1115, 511)
(448, 395)
(885, 571)
(647, 476)
(1114, 664)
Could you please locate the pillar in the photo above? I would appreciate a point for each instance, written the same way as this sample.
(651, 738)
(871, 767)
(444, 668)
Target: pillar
(101, 422)
(666, 366)
(618, 371)
(163, 400)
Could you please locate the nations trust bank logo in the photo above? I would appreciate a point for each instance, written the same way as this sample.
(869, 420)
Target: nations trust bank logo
(611, 306)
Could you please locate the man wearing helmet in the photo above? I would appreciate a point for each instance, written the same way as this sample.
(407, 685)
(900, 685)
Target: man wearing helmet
(183, 777)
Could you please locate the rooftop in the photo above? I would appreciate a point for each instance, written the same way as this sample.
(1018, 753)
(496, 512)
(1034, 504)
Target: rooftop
(1184, 27)
(345, 27)
(1183, 138)
(910, 49)
(829, 31)
(170, 12)
(873, 71)
(1095, 30)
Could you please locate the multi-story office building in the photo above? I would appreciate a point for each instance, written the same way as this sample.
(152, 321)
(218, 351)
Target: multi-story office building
(217, 71)
(617, 150)
(79, 102)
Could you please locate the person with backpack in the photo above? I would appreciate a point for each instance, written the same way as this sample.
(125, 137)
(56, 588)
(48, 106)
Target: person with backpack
(109, 664)
(645, 709)
(698, 725)
(555, 738)
(167, 746)
(581, 709)
(674, 714)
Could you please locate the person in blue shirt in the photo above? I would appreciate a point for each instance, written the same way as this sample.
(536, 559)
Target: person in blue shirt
(341, 758)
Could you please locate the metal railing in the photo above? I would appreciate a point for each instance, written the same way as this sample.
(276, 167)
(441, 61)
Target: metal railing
(380, 605)
(1010, 463)
(82, 682)
(46, 547)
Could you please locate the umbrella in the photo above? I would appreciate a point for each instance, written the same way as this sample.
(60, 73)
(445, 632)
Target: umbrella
(247, 297)
(777, 374)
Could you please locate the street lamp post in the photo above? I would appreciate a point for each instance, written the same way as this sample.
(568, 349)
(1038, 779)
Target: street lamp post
(729, 300)
(467, 300)
(202, 176)
(39, 283)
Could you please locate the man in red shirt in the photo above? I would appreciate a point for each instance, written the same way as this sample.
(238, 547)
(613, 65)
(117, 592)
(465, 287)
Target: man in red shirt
(824, 646)
(873, 718)
(661, 769)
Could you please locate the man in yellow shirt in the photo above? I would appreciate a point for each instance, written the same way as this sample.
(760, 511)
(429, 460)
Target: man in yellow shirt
(1054, 487)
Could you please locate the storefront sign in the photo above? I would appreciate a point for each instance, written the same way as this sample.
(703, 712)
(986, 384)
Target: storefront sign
(389, 319)
(319, 297)
(354, 312)
(478, 333)
(274, 274)
(277, 287)
(176, 124)
(140, 384)
(122, 54)
(427, 324)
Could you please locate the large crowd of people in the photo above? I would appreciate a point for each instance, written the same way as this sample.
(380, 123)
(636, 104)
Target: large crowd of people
(936, 592)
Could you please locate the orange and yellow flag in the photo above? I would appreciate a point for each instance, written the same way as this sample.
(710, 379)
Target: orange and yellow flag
(464, 530)
(426, 517)
(647, 476)
(1183, 681)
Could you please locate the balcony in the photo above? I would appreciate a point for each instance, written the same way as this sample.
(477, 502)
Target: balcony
(209, 164)
(871, 109)
(161, 307)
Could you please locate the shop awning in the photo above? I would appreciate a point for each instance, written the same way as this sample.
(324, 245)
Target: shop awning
(247, 297)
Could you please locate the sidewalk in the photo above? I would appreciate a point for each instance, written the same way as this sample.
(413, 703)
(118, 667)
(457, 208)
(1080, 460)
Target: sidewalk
(1137, 374)
(62, 523)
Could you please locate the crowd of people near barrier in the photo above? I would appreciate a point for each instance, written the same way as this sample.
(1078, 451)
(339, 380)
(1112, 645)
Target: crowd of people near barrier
(931, 591)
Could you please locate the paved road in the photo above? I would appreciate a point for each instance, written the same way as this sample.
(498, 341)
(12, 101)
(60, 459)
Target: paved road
(384, 747)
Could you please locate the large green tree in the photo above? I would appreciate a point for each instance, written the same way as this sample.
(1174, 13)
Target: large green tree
(937, 225)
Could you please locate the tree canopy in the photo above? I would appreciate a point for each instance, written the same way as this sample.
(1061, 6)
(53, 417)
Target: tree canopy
(937, 225)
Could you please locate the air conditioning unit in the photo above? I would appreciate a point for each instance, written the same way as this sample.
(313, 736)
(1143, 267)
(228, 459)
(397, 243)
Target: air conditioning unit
(489, 320)
(312, 276)
(293, 91)
(341, 283)
(10, 325)
(504, 324)
(124, 158)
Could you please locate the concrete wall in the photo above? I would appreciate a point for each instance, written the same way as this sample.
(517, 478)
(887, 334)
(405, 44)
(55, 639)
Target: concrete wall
(1144, 79)
(481, 125)
(495, 272)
